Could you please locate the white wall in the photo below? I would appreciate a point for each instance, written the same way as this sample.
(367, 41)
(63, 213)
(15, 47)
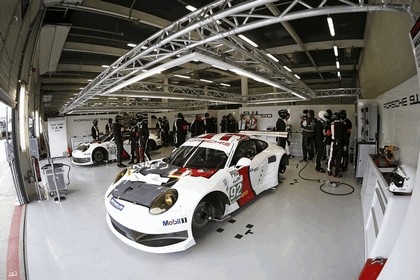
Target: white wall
(399, 125)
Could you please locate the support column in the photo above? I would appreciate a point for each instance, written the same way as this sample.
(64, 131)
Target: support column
(206, 108)
(165, 89)
(244, 88)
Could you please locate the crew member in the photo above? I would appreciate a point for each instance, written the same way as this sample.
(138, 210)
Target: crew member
(134, 142)
(348, 125)
(320, 130)
(281, 126)
(242, 123)
(197, 127)
(159, 128)
(165, 129)
(143, 129)
(338, 131)
(209, 123)
(117, 130)
(231, 125)
(252, 123)
(180, 129)
(94, 130)
(223, 124)
(108, 126)
(308, 133)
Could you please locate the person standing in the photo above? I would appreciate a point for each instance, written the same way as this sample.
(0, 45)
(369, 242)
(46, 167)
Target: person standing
(231, 125)
(348, 126)
(338, 131)
(208, 123)
(281, 126)
(308, 133)
(320, 130)
(143, 129)
(197, 127)
(159, 129)
(165, 129)
(223, 124)
(180, 129)
(108, 126)
(252, 123)
(134, 142)
(94, 130)
(242, 123)
(118, 139)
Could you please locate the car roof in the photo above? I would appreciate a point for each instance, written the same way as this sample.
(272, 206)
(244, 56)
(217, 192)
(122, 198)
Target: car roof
(220, 141)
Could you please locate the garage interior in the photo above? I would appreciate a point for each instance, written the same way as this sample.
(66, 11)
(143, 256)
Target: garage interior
(77, 60)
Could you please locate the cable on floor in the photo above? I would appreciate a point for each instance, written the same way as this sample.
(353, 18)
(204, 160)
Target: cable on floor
(307, 179)
(336, 184)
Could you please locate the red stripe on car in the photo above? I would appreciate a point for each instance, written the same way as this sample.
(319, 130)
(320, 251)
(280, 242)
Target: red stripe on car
(247, 192)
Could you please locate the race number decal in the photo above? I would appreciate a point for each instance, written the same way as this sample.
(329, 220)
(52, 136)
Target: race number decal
(235, 191)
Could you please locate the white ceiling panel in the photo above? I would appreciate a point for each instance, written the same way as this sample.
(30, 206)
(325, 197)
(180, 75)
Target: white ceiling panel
(51, 44)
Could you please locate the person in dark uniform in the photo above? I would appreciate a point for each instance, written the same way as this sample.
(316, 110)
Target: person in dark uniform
(328, 139)
(198, 126)
(338, 131)
(208, 123)
(320, 130)
(165, 129)
(143, 128)
(180, 129)
(159, 129)
(281, 126)
(117, 129)
(348, 125)
(108, 126)
(231, 125)
(134, 142)
(308, 135)
(223, 124)
(94, 130)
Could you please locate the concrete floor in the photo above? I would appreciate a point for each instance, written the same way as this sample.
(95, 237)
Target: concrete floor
(298, 232)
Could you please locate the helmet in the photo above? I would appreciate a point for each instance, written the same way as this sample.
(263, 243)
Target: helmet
(139, 116)
(334, 116)
(343, 114)
(206, 115)
(283, 113)
(133, 121)
(110, 120)
(95, 121)
(180, 115)
(323, 115)
(118, 118)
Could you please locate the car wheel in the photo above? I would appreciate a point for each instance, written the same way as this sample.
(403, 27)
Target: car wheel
(201, 217)
(98, 156)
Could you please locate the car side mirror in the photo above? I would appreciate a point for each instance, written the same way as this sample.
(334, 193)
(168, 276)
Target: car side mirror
(242, 163)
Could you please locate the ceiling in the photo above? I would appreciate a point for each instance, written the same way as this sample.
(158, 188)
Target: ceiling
(98, 34)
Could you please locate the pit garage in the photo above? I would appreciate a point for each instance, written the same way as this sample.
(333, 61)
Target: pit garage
(209, 139)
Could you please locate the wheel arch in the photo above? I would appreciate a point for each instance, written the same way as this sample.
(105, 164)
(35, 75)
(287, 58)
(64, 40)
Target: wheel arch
(219, 200)
(103, 150)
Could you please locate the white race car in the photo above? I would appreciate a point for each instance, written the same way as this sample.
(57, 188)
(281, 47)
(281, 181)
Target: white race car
(159, 207)
(105, 149)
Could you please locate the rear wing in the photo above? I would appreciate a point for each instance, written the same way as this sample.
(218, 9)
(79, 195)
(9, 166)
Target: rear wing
(267, 133)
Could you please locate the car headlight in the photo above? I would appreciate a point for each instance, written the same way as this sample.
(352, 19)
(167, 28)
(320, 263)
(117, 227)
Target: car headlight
(120, 175)
(164, 202)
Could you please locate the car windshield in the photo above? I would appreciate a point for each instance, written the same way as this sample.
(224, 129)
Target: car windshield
(106, 137)
(197, 157)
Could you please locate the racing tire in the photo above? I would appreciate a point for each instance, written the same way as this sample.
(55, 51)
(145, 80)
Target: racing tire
(201, 217)
(98, 156)
(151, 145)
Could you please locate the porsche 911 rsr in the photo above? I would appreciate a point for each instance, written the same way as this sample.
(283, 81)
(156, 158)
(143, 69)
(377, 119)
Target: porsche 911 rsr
(162, 206)
(106, 150)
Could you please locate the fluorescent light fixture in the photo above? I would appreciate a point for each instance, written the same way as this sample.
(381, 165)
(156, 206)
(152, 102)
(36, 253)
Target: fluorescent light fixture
(191, 8)
(90, 80)
(81, 88)
(23, 123)
(339, 74)
(75, 94)
(296, 75)
(223, 84)
(287, 68)
(131, 45)
(331, 26)
(335, 50)
(221, 68)
(337, 63)
(249, 41)
(272, 57)
(104, 66)
(182, 76)
(94, 98)
(143, 47)
(219, 45)
(113, 98)
(207, 81)
(272, 100)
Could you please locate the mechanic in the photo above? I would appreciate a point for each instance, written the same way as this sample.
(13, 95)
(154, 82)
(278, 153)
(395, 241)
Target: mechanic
(180, 129)
(134, 142)
(208, 123)
(308, 125)
(223, 124)
(328, 139)
(94, 130)
(348, 125)
(338, 131)
(117, 129)
(108, 126)
(143, 129)
(165, 129)
(159, 128)
(198, 126)
(281, 126)
(252, 123)
(242, 123)
(320, 131)
(231, 125)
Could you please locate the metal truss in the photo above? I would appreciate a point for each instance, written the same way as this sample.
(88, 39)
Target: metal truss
(216, 23)
(339, 92)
